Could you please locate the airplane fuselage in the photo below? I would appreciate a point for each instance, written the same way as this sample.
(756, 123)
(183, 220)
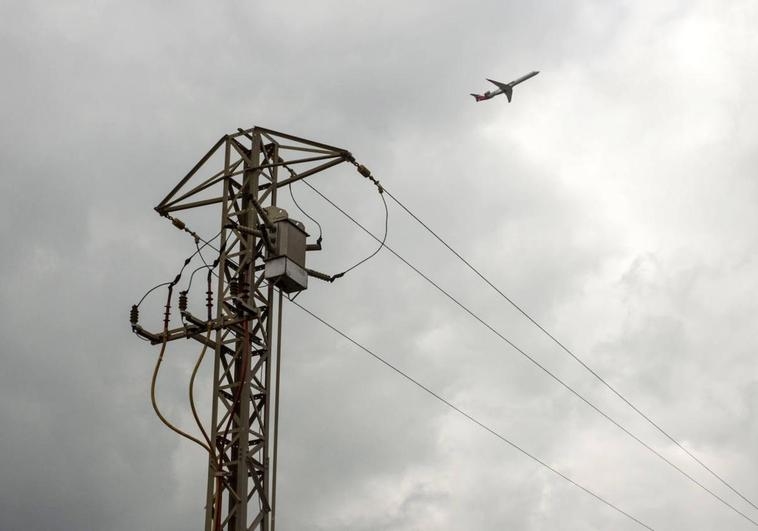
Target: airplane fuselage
(492, 93)
(523, 78)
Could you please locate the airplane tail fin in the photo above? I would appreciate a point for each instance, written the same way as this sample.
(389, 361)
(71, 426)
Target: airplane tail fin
(478, 97)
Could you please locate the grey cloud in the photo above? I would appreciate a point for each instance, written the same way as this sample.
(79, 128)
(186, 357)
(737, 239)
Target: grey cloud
(613, 199)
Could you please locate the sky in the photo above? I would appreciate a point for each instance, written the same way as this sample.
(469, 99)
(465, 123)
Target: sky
(613, 199)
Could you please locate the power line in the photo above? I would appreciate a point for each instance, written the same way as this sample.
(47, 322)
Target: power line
(381, 242)
(320, 233)
(471, 418)
(192, 275)
(292, 195)
(535, 362)
(569, 351)
(186, 263)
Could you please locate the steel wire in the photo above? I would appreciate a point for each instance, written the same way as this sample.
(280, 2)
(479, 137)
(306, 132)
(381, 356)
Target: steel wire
(538, 364)
(571, 353)
(473, 419)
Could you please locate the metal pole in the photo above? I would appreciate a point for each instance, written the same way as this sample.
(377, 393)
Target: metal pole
(276, 411)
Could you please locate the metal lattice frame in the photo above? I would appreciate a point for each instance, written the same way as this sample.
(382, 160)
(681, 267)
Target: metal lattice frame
(240, 487)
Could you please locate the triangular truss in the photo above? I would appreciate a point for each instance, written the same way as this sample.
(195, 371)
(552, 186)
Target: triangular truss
(276, 151)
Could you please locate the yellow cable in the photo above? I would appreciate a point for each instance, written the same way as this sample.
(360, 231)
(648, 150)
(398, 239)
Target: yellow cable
(192, 394)
(155, 405)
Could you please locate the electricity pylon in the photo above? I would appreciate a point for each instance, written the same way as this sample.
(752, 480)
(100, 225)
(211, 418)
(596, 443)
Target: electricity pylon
(260, 249)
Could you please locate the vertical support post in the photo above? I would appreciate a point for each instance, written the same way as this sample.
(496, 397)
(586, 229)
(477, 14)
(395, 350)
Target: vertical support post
(213, 498)
(275, 470)
(238, 482)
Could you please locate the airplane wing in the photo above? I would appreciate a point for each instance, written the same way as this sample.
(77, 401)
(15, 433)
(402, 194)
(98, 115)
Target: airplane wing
(505, 87)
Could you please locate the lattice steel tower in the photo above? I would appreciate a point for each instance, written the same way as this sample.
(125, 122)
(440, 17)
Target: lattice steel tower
(260, 250)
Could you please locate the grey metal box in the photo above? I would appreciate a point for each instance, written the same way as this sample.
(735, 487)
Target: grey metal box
(285, 261)
(289, 241)
(286, 274)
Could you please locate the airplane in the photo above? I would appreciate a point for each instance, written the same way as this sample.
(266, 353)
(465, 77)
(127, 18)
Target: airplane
(503, 88)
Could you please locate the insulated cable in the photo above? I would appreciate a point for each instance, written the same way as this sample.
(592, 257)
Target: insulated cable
(171, 285)
(537, 363)
(134, 316)
(148, 292)
(198, 251)
(473, 419)
(202, 258)
(189, 285)
(155, 377)
(381, 242)
(197, 367)
(570, 352)
(192, 396)
(320, 230)
(209, 305)
(181, 271)
(379, 188)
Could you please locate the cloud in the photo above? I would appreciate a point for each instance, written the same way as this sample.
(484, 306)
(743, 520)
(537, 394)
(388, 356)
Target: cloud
(613, 199)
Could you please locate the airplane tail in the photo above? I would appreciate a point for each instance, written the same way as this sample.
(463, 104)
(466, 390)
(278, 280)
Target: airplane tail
(478, 97)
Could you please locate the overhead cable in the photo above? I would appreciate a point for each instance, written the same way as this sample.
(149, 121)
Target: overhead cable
(202, 258)
(535, 362)
(473, 419)
(570, 352)
(320, 230)
(192, 275)
(187, 260)
(366, 173)
(381, 243)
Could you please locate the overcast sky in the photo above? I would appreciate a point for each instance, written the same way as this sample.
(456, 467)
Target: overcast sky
(614, 199)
